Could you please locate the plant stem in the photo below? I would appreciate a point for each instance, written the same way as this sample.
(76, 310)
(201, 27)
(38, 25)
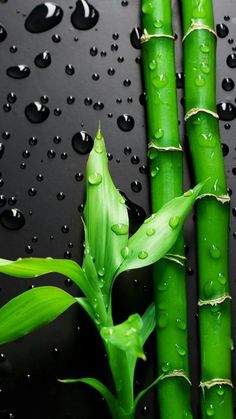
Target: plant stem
(212, 210)
(166, 183)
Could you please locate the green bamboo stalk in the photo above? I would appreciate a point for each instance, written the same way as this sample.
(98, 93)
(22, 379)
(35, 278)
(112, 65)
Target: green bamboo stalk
(166, 167)
(199, 44)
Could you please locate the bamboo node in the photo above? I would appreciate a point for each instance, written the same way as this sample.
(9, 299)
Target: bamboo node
(167, 148)
(177, 373)
(215, 301)
(216, 382)
(147, 36)
(196, 27)
(221, 198)
(195, 111)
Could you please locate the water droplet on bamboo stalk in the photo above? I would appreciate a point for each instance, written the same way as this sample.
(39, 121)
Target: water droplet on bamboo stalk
(181, 324)
(85, 16)
(3, 33)
(143, 254)
(204, 67)
(199, 12)
(152, 65)
(214, 252)
(44, 17)
(222, 30)
(12, 219)
(180, 349)
(226, 111)
(154, 171)
(210, 410)
(166, 366)
(120, 229)
(82, 142)
(159, 134)
(162, 320)
(220, 390)
(174, 221)
(200, 80)
(43, 59)
(231, 60)
(135, 36)
(98, 149)
(160, 81)
(188, 193)
(158, 23)
(215, 308)
(204, 48)
(150, 232)
(125, 122)
(209, 289)
(222, 278)
(20, 71)
(162, 285)
(95, 179)
(228, 84)
(36, 113)
(147, 7)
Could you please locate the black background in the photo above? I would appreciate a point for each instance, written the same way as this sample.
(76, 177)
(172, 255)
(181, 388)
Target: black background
(70, 347)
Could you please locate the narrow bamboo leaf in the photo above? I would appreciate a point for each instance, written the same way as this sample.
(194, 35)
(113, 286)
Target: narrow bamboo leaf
(149, 322)
(158, 233)
(100, 387)
(88, 262)
(84, 302)
(126, 336)
(33, 267)
(31, 310)
(106, 215)
(143, 392)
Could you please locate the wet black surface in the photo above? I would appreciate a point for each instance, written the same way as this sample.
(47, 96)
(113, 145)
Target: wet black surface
(94, 73)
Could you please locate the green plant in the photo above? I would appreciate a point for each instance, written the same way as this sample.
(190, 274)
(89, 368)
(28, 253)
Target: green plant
(108, 251)
(212, 216)
(166, 179)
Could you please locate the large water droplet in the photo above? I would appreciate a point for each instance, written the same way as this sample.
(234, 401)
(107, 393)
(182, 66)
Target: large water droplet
(180, 349)
(120, 229)
(135, 36)
(95, 179)
(12, 219)
(231, 60)
(210, 410)
(85, 16)
(125, 122)
(181, 324)
(36, 112)
(3, 33)
(214, 252)
(227, 84)
(20, 71)
(174, 221)
(226, 111)
(220, 390)
(82, 142)
(166, 366)
(222, 278)
(204, 67)
(44, 17)
(43, 59)
(222, 30)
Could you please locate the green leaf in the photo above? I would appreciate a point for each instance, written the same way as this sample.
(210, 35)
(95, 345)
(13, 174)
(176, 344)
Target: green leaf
(105, 213)
(34, 267)
(84, 302)
(149, 322)
(31, 310)
(126, 336)
(143, 392)
(158, 233)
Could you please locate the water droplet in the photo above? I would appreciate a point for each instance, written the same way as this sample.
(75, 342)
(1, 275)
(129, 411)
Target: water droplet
(136, 214)
(2, 149)
(181, 324)
(221, 278)
(135, 36)
(166, 366)
(158, 23)
(214, 252)
(57, 111)
(7, 107)
(231, 60)
(160, 81)
(95, 76)
(3, 33)
(147, 7)
(32, 192)
(65, 229)
(12, 219)
(180, 349)
(56, 38)
(228, 84)
(222, 30)
(114, 47)
(150, 232)
(204, 48)
(220, 390)
(145, 411)
(6, 135)
(188, 193)
(120, 229)
(179, 80)
(226, 111)
(127, 150)
(2, 200)
(200, 80)
(82, 142)
(125, 122)
(28, 249)
(135, 159)
(143, 254)
(125, 252)
(11, 97)
(210, 410)
(159, 134)
(60, 196)
(209, 289)
(162, 320)
(93, 51)
(43, 59)
(13, 49)
(44, 17)
(95, 179)
(36, 112)
(204, 67)
(154, 171)
(70, 100)
(98, 106)
(51, 154)
(12, 200)
(225, 149)
(69, 69)
(136, 186)
(85, 16)
(174, 221)
(127, 82)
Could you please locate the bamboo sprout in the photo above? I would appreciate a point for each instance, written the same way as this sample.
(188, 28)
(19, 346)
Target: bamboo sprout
(166, 163)
(199, 43)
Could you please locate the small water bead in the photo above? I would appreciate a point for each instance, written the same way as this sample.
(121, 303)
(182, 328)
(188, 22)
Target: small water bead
(13, 49)
(162, 285)
(160, 81)
(200, 81)
(204, 48)
(6, 135)
(234, 211)
(120, 229)
(135, 159)
(32, 192)
(127, 82)
(180, 349)
(162, 320)
(93, 51)
(68, 282)
(82, 142)
(36, 113)
(143, 254)
(127, 150)
(103, 53)
(220, 390)
(65, 229)
(124, 3)
(154, 171)
(230, 41)
(125, 122)
(143, 169)
(145, 410)
(98, 106)
(3, 33)
(60, 196)
(159, 134)
(85, 16)
(158, 23)
(179, 80)
(23, 165)
(150, 232)
(3, 200)
(166, 366)
(43, 60)
(147, 8)
(44, 99)
(70, 100)
(57, 111)
(99, 149)
(136, 186)
(95, 179)
(125, 252)
(56, 38)
(44, 17)
(12, 200)
(222, 30)
(2, 149)
(111, 71)
(225, 149)
(1, 182)
(228, 84)
(204, 67)
(88, 101)
(227, 126)
(226, 111)
(51, 154)
(174, 222)
(7, 107)
(95, 76)
(26, 154)
(67, 254)
(152, 65)
(11, 97)
(210, 410)
(32, 141)
(231, 60)
(135, 36)
(28, 249)
(214, 251)
(181, 324)
(120, 59)
(12, 219)
(69, 69)
(221, 278)
(119, 100)
(114, 47)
